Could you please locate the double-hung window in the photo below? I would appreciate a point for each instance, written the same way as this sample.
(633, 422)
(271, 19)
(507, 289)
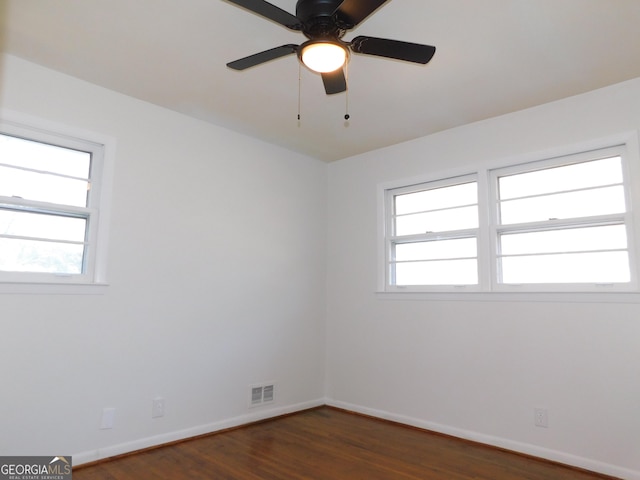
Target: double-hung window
(49, 207)
(558, 225)
(564, 222)
(433, 234)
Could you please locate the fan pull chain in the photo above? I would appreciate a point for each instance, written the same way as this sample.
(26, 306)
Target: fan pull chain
(299, 90)
(346, 115)
(346, 74)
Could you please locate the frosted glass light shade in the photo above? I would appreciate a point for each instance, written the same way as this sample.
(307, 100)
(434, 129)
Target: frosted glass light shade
(323, 57)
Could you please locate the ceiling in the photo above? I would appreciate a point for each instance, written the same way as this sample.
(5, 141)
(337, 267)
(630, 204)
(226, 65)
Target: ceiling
(493, 57)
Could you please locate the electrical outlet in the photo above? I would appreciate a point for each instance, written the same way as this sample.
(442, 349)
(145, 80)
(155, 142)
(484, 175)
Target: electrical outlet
(108, 418)
(157, 409)
(541, 417)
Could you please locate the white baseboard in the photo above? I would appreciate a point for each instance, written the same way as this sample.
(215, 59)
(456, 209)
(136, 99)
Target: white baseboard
(142, 443)
(528, 449)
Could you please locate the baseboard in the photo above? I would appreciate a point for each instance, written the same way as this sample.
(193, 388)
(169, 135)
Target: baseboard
(504, 443)
(169, 437)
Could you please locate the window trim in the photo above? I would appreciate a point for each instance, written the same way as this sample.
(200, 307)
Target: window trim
(488, 289)
(94, 279)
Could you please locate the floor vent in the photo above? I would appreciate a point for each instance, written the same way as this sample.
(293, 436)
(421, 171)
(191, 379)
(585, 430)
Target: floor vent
(261, 394)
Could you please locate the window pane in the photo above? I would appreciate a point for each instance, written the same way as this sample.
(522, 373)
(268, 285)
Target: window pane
(446, 272)
(44, 157)
(32, 256)
(600, 201)
(437, 198)
(609, 237)
(569, 177)
(602, 267)
(42, 187)
(435, 250)
(26, 224)
(441, 221)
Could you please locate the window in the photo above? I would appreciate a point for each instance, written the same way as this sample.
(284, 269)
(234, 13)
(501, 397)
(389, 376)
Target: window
(562, 224)
(563, 221)
(433, 233)
(50, 192)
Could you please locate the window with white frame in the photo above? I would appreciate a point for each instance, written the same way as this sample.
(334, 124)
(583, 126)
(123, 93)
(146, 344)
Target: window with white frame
(433, 233)
(49, 207)
(563, 221)
(562, 224)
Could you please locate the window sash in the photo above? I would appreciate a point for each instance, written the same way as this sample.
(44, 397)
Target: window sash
(42, 156)
(569, 268)
(563, 177)
(34, 185)
(438, 272)
(607, 200)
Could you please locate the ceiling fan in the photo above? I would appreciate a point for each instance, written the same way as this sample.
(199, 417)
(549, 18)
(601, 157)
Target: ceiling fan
(324, 23)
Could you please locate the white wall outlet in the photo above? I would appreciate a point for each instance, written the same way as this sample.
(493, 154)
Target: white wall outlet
(541, 417)
(157, 408)
(108, 418)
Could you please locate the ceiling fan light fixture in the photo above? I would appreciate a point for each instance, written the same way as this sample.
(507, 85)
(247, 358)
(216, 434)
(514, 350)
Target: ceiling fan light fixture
(324, 23)
(323, 56)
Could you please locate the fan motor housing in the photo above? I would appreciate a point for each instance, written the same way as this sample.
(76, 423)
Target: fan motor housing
(318, 20)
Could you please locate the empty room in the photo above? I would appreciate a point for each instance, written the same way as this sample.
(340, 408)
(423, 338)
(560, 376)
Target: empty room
(205, 237)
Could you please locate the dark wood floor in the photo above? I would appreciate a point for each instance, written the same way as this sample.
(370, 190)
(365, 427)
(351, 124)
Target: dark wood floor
(329, 444)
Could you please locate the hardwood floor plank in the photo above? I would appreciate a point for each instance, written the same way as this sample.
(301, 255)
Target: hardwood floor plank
(328, 444)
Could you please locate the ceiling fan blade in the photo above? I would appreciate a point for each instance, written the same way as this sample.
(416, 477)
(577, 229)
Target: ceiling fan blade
(262, 57)
(352, 12)
(334, 82)
(271, 12)
(409, 52)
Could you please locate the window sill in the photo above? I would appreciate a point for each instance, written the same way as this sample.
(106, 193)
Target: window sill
(560, 297)
(16, 288)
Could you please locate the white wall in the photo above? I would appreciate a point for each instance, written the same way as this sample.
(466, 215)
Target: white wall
(478, 368)
(217, 281)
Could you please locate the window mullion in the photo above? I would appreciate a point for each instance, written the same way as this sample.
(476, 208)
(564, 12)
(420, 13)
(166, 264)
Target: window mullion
(388, 233)
(555, 224)
(435, 236)
(42, 239)
(560, 252)
(24, 205)
(456, 207)
(486, 218)
(426, 260)
(43, 172)
(560, 192)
